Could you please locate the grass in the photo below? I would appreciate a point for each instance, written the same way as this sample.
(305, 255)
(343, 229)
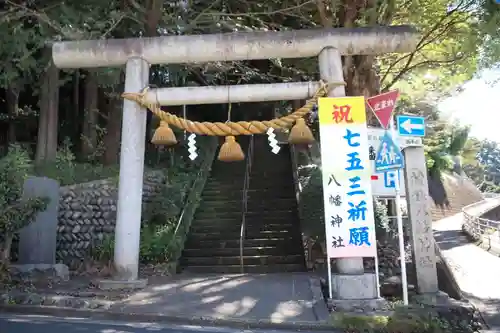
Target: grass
(411, 319)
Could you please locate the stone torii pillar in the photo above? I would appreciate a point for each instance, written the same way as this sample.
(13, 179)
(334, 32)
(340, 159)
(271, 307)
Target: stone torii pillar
(139, 53)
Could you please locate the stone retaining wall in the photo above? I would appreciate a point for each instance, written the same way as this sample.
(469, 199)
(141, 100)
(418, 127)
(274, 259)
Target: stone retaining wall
(87, 214)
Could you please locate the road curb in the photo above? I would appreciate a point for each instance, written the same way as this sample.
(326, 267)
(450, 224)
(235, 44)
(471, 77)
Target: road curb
(158, 318)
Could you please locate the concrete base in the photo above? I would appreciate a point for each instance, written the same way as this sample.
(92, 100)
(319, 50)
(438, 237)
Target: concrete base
(122, 284)
(354, 287)
(61, 270)
(318, 302)
(358, 305)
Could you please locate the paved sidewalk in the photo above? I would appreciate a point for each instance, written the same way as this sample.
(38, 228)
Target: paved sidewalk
(271, 301)
(274, 298)
(476, 271)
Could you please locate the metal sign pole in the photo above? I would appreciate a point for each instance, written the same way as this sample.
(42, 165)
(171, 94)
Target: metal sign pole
(329, 268)
(399, 218)
(377, 272)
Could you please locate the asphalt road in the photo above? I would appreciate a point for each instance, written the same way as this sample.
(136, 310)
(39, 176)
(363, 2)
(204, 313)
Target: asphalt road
(44, 324)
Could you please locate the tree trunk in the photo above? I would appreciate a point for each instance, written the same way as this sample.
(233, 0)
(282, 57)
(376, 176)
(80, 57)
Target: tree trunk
(75, 114)
(49, 112)
(113, 131)
(12, 99)
(89, 131)
(359, 74)
(154, 13)
(6, 248)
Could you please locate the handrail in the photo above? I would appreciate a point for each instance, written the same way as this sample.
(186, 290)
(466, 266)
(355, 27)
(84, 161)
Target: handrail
(296, 177)
(244, 200)
(477, 226)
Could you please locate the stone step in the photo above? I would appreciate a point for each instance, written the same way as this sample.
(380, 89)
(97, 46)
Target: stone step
(216, 194)
(247, 260)
(235, 186)
(235, 234)
(272, 189)
(258, 203)
(272, 214)
(281, 242)
(252, 269)
(235, 212)
(247, 251)
(225, 176)
(254, 227)
(210, 207)
(222, 193)
(292, 220)
(270, 195)
(285, 221)
(290, 205)
(275, 167)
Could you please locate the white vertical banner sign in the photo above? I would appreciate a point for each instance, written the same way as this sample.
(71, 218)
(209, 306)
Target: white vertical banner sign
(346, 171)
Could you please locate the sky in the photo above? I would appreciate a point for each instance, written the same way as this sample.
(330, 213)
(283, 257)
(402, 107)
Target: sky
(477, 105)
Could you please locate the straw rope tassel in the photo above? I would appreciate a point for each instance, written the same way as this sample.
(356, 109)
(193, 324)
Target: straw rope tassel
(164, 135)
(300, 133)
(230, 151)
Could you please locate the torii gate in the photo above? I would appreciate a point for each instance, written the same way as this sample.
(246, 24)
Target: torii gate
(139, 53)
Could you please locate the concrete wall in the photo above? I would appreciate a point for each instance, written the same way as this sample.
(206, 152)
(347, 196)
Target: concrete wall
(451, 193)
(493, 214)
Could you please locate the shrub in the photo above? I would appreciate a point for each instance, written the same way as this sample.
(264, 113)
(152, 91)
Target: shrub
(67, 171)
(410, 319)
(161, 215)
(15, 213)
(158, 223)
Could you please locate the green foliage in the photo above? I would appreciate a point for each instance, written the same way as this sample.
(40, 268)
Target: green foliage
(15, 213)
(446, 53)
(20, 214)
(159, 220)
(15, 167)
(159, 241)
(311, 201)
(68, 171)
(446, 144)
(485, 168)
(488, 14)
(382, 221)
(404, 319)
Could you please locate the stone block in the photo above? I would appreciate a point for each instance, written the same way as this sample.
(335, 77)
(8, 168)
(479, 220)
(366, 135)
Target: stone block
(358, 305)
(354, 287)
(108, 284)
(422, 238)
(38, 240)
(60, 270)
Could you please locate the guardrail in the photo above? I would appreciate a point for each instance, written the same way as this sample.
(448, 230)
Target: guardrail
(480, 228)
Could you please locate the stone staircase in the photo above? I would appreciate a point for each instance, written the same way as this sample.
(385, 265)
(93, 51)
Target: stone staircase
(273, 238)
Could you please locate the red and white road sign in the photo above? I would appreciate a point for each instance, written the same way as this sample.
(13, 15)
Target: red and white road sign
(383, 106)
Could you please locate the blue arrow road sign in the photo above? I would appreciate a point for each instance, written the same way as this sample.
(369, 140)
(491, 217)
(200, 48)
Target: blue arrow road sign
(411, 126)
(389, 155)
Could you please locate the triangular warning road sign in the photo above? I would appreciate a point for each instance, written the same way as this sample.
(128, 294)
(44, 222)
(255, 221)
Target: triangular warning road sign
(389, 156)
(383, 105)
